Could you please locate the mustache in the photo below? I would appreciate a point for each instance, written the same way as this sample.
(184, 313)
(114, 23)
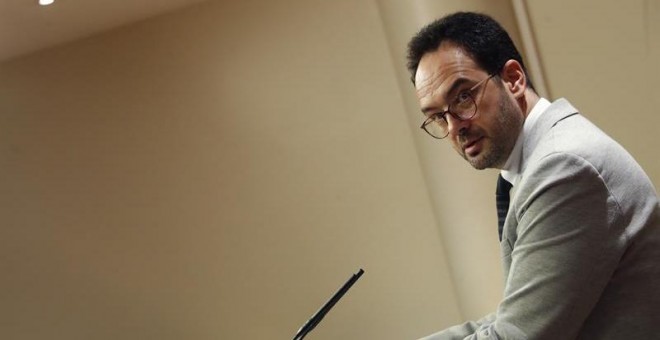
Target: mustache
(466, 135)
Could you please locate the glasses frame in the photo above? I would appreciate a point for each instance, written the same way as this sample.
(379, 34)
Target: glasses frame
(434, 117)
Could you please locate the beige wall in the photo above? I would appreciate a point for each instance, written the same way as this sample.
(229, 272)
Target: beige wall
(604, 56)
(218, 172)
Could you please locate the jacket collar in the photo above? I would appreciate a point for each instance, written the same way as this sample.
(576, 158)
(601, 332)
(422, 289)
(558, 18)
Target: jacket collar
(558, 110)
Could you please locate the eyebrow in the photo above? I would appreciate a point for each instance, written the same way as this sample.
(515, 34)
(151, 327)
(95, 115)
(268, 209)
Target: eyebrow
(454, 86)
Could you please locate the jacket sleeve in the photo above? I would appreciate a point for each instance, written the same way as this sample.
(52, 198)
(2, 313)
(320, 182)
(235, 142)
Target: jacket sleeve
(461, 331)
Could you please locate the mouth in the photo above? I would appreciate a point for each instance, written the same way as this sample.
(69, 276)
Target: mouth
(473, 147)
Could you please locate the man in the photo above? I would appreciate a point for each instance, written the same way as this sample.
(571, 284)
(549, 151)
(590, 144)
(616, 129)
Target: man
(581, 240)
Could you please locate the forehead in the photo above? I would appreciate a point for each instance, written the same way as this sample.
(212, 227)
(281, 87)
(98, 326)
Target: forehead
(440, 69)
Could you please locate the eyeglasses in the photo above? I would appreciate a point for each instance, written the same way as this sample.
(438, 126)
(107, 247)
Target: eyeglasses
(463, 107)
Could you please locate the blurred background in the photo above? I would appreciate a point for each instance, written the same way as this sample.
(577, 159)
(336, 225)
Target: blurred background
(217, 169)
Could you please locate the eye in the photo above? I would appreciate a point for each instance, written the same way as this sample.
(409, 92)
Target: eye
(439, 117)
(463, 97)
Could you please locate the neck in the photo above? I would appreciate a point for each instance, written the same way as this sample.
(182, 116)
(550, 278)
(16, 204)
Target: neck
(528, 101)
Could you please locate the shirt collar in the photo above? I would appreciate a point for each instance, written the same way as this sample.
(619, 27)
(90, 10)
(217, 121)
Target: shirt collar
(511, 169)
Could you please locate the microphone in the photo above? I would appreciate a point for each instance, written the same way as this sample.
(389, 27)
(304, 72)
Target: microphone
(311, 323)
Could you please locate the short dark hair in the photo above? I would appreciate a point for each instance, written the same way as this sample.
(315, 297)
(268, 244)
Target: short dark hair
(479, 35)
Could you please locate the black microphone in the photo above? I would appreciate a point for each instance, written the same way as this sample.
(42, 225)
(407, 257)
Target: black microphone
(311, 323)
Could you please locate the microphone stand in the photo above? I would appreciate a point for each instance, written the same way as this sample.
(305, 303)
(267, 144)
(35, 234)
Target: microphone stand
(311, 323)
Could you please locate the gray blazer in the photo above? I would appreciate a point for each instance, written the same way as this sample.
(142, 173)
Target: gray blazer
(581, 242)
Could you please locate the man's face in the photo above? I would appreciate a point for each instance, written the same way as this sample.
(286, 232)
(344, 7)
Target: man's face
(487, 139)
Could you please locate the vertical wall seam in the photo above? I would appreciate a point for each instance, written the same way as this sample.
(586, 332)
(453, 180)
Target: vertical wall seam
(533, 59)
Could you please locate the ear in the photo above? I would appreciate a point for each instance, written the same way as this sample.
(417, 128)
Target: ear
(514, 78)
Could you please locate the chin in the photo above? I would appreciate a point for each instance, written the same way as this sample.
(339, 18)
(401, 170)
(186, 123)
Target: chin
(475, 162)
(483, 161)
(478, 165)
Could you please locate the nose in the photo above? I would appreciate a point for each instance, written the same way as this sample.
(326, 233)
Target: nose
(456, 126)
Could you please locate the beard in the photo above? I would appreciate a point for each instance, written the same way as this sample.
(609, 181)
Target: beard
(503, 135)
